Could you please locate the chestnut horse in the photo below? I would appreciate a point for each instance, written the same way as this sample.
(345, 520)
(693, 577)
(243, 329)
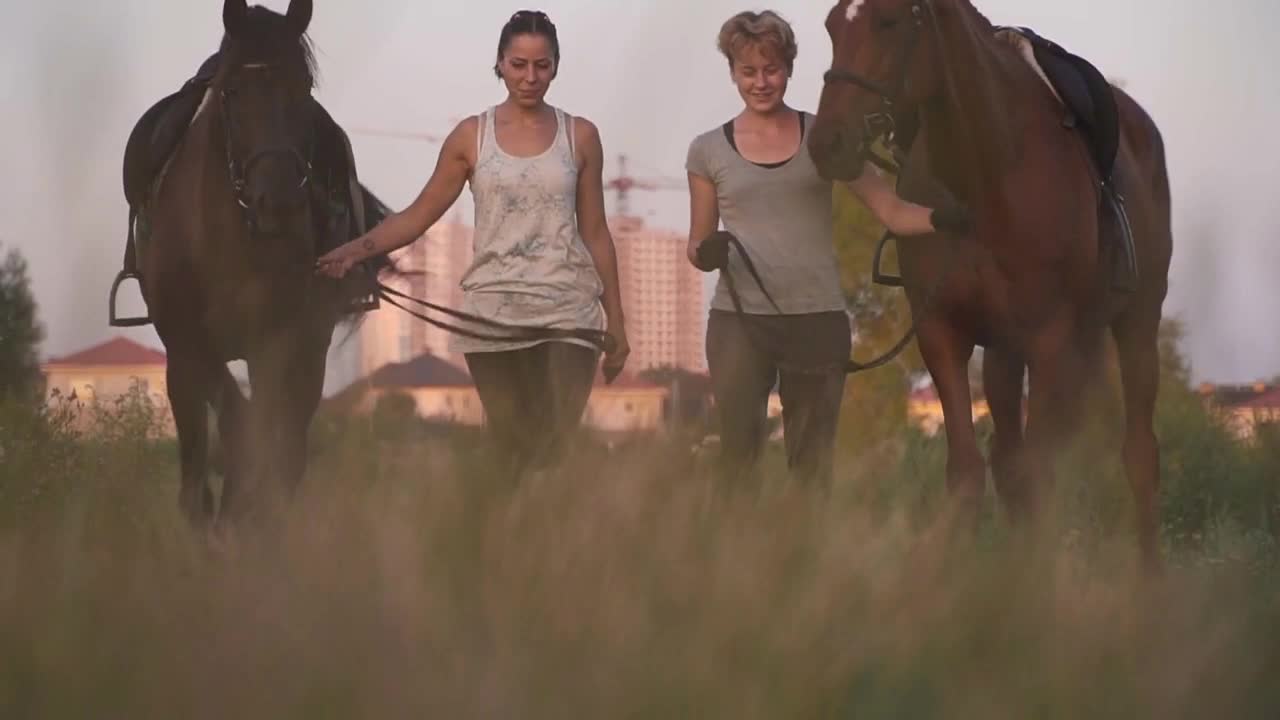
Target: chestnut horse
(235, 224)
(1031, 282)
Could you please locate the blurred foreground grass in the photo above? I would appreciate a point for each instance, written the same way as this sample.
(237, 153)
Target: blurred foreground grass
(404, 585)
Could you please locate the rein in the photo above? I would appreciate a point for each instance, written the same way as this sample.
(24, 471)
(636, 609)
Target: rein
(851, 366)
(510, 333)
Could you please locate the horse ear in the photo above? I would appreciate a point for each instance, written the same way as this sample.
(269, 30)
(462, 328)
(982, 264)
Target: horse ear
(234, 13)
(299, 15)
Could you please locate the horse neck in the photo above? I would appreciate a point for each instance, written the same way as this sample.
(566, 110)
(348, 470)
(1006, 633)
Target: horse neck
(205, 145)
(971, 121)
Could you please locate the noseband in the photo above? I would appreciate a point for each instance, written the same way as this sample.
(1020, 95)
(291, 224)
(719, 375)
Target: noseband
(881, 123)
(239, 172)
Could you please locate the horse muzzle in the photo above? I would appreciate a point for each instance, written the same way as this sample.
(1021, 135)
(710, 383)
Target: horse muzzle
(278, 213)
(837, 157)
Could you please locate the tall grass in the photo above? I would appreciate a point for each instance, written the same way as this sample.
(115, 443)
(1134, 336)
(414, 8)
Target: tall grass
(404, 584)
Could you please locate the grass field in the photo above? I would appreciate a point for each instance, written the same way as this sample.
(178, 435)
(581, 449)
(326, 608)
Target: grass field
(403, 584)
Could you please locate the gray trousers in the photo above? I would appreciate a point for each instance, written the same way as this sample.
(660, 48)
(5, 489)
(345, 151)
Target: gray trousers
(804, 356)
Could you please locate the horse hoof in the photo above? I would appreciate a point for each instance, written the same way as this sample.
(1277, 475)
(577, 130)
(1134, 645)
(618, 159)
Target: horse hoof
(199, 510)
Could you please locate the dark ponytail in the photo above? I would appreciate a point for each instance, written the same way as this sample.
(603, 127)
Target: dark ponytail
(528, 22)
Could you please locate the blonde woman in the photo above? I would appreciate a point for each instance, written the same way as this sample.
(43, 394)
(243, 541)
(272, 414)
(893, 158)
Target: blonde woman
(753, 174)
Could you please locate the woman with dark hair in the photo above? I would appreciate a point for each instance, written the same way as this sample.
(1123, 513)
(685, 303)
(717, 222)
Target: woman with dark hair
(544, 256)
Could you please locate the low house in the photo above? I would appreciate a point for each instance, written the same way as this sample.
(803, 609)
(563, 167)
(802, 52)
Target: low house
(1243, 407)
(628, 404)
(444, 392)
(440, 390)
(107, 372)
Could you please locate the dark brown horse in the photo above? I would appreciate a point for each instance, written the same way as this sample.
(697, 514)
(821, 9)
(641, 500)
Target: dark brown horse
(235, 224)
(1031, 282)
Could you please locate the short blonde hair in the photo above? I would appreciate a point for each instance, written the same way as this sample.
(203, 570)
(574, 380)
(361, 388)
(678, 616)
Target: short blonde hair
(766, 30)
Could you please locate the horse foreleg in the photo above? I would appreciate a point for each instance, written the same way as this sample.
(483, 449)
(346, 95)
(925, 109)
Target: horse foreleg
(232, 410)
(1056, 365)
(946, 355)
(303, 385)
(1002, 374)
(188, 389)
(287, 376)
(1137, 346)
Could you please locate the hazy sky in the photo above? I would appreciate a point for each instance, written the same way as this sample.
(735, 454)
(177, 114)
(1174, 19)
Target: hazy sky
(75, 76)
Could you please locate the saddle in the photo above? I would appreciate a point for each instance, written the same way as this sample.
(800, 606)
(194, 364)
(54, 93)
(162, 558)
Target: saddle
(1090, 105)
(344, 208)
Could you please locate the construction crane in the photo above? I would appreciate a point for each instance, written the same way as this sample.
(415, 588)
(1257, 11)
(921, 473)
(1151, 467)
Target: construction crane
(624, 183)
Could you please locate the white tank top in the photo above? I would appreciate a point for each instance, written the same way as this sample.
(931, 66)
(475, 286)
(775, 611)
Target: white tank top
(531, 265)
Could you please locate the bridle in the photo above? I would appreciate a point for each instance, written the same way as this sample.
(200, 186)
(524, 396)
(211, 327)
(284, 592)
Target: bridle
(880, 124)
(239, 171)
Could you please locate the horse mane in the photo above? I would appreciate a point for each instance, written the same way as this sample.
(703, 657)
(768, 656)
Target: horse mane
(976, 76)
(267, 38)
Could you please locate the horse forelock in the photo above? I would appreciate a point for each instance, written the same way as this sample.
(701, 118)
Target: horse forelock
(267, 39)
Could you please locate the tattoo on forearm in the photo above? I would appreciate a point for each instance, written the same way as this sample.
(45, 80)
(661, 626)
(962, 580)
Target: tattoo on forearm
(368, 244)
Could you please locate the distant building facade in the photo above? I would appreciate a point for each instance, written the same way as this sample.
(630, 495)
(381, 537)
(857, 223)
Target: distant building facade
(663, 296)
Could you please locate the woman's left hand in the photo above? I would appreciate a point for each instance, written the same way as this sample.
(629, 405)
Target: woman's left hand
(616, 358)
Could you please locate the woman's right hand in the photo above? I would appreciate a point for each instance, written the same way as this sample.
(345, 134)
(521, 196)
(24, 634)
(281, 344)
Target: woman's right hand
(713, 252)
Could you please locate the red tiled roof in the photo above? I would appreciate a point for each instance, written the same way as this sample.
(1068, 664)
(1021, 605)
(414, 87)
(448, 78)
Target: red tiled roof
(117, 351)
(425, 370)
(1265, 400)
(1234, 395)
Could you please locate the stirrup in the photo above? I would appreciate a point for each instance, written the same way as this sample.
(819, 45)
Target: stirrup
(111, 302)
(878, 276)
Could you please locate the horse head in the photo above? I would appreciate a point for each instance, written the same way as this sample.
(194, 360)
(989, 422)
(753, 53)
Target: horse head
(263, 90)
(891, 57)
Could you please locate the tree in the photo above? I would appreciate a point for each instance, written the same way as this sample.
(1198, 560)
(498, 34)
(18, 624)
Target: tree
(875, 402)
(20, 331)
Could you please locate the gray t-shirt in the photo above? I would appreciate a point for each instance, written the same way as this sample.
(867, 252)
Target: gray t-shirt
(782, 215)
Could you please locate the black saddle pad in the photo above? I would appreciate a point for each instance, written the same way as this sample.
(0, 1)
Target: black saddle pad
(1086, 93)
(154, 138)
